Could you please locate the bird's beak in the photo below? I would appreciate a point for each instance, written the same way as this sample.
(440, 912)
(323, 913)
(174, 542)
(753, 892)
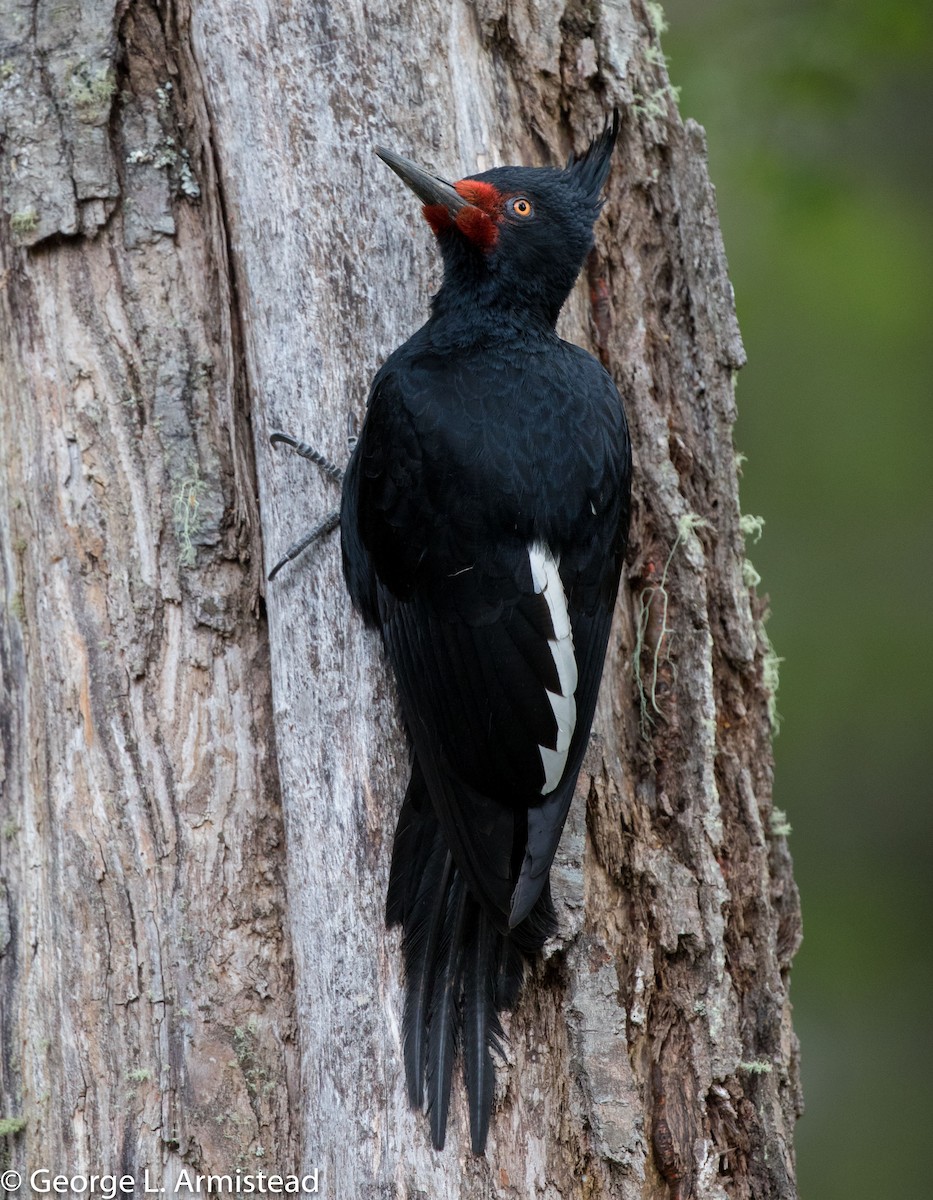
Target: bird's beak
(429, 189)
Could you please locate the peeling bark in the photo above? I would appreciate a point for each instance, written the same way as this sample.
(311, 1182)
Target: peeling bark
(214, 253)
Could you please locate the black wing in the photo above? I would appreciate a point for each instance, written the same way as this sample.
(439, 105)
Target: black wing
(479, 514)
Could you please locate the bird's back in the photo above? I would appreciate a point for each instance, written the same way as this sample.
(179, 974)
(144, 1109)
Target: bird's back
(471, 449)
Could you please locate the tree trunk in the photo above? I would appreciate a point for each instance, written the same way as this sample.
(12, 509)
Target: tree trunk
(198, 248)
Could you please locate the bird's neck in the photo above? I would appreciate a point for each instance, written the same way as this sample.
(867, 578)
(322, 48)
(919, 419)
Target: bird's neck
(480, 311)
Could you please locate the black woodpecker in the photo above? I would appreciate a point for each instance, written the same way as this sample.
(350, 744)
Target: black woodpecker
(484, 521)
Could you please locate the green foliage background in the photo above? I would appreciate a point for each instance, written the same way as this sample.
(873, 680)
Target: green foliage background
(819, 115)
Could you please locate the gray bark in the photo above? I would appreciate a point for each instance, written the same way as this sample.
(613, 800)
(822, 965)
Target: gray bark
(198, 248)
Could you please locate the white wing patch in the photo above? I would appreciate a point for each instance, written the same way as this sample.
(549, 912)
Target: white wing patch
(547, 582)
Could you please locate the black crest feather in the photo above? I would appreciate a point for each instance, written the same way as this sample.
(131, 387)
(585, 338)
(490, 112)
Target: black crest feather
(590, 170)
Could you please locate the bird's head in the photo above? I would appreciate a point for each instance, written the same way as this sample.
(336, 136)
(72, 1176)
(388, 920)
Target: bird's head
(514, 237)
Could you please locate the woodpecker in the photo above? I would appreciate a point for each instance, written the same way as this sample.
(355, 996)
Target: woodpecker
(484, 520)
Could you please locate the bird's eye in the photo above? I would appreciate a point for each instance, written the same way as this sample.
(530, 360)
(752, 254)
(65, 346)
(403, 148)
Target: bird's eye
(522, 207)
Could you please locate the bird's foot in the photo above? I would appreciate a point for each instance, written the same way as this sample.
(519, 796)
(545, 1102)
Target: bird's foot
(331, 470)
(330, 523)
(332, 520)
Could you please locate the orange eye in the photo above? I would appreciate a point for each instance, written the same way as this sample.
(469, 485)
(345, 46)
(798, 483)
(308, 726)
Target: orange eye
(522, 207)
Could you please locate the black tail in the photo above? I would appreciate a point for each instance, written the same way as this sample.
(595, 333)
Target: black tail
(461, 971)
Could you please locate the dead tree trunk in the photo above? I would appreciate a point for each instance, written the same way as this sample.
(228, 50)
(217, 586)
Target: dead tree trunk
(199, 247)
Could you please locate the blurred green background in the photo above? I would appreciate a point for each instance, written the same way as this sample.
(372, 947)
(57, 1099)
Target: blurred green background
(819, 116)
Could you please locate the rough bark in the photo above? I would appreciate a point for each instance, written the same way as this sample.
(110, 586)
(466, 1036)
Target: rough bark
(147, 997)
(179, 261)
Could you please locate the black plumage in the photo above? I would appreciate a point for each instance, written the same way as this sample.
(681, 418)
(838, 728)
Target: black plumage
(484, 521)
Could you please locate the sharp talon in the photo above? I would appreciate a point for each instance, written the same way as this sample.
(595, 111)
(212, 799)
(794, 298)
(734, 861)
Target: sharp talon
(328, 525)
(353, 432)
(305, 451)
(330, 469)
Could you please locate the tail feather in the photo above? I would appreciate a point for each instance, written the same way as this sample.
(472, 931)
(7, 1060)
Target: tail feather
(482, 1031)
(413, 842)
(445, 1011)
(423, 937)
(461, 971)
